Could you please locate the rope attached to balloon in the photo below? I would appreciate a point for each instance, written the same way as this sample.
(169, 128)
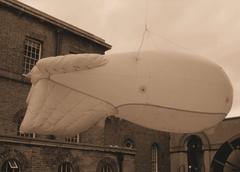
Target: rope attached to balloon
(143, 89)
(147, 30)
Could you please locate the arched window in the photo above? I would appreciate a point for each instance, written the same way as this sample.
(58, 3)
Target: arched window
(65, 167)
(107, 165)
(107, 168)
(195, 154)
(154, 158)
(11, 165)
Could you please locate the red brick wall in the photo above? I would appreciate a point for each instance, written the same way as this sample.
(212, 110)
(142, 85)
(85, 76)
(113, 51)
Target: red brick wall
(12, 100)
(16, 26)
(37, 158)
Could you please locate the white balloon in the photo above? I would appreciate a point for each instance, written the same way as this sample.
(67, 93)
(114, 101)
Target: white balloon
(167, 91)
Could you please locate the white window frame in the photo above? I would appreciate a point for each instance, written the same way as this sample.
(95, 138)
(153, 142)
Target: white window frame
(30, 53)
(12, 164)
(155, 158)
(74, 139)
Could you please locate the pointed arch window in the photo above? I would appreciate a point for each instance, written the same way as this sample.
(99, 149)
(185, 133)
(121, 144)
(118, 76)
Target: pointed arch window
(107, 165)
(155, 157)
(11, 165)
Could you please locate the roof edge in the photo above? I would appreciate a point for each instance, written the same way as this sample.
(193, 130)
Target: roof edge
(55, 21)
(232, 118)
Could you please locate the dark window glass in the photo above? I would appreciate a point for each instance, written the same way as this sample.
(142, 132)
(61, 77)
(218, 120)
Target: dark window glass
(195, 153)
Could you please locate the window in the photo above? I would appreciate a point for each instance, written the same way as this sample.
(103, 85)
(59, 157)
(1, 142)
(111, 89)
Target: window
(11, 166)
(74, 139)
(195, 154)
(129, 143)
(107, 165)
(65, 167)
(154, 158)
(32, 53)
(30, 135)
(107, 168)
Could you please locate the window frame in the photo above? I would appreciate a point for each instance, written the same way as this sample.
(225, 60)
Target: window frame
(64, 166)
(155, 157)
(74, 139)
(29, 60)
(107, 168)
(194, 153)
(11, 165)
(105, 163)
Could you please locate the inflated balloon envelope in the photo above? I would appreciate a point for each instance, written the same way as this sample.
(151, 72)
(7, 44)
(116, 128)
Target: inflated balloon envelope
(167, 91)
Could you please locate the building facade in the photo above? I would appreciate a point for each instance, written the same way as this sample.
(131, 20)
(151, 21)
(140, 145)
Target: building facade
(213, 150)
(112, 145)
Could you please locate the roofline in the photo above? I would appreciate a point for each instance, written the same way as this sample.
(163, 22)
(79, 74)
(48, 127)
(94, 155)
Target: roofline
(57, 22)
(232, 118)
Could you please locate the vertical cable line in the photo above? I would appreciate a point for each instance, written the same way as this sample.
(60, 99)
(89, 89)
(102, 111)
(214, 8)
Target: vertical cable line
(145, 30)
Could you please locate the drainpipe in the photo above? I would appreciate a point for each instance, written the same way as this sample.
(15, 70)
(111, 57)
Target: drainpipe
(59, 37)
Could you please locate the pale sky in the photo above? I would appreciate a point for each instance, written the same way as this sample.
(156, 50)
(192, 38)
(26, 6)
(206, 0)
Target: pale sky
(210, 28)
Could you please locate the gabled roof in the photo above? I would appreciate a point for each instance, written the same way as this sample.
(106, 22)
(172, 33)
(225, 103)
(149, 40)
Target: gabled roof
(45, 17)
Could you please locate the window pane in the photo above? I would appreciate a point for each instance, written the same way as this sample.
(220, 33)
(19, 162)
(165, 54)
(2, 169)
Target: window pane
(10, 166)
(154, 158)
(32, 51)
(65, 167)
(74, 139)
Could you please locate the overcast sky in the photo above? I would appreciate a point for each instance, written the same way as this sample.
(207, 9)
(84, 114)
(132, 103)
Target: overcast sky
(210, 28)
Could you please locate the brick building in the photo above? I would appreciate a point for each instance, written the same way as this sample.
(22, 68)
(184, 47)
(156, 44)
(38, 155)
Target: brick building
(112, 145)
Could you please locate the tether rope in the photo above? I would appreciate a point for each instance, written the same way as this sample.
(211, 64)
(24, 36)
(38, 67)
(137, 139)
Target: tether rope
(150, 32)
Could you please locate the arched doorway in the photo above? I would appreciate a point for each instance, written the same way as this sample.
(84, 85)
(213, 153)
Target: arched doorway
(194, 154)
(227, 158)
